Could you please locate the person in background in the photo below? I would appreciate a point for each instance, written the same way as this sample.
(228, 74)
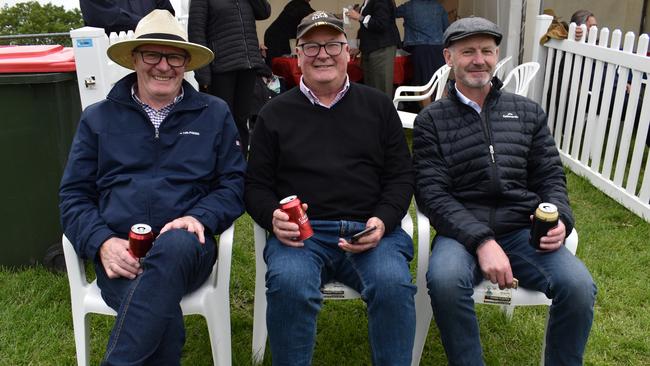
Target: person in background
(283, 28)
(581, 17)
(227, 27)
(157, 152)
(119, 15)
(340, 147)
(378, 41)
(484, 160)
(424, 23)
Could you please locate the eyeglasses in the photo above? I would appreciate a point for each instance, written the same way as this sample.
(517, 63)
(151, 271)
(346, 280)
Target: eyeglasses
(312, 49)
(153, 58)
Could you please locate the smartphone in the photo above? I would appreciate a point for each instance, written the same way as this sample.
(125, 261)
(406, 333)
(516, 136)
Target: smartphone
(362, 233)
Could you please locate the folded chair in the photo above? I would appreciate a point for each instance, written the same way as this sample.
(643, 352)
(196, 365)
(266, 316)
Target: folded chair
(424, 313)
(211, 300)
(331, 291)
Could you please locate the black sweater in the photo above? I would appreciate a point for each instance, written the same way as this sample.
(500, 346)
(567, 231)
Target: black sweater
(350, 162)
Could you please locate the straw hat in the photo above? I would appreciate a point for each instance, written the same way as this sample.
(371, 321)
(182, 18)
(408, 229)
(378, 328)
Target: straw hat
(161, 28)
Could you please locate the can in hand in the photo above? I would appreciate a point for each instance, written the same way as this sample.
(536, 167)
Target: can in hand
(545, 218)
(293, 207)
(140, 240)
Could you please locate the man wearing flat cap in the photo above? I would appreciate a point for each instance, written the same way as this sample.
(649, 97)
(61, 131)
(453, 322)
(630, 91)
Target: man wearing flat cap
(340, 148)
(484, 161)
(154, 152)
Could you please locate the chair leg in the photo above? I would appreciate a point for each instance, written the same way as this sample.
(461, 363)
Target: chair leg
(548, 318)
(217, 318)
(423, 316)
(508, 311)
(259, 328)
(81, 337)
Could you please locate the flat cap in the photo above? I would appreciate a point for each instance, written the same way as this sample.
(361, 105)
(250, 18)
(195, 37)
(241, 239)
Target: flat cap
(470, 26)
(317, 19)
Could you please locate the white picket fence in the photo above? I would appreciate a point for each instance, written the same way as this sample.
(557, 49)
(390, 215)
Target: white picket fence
(96, 73)
(598, 109)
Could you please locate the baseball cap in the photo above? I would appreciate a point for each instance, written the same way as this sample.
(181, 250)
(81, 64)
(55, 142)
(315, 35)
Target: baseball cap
(470, 26)
(317, 19)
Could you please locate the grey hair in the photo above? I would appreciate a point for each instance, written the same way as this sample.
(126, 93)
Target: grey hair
(580, 17)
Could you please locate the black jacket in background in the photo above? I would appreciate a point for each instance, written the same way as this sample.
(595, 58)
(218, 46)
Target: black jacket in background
(119, 15)
(381, 31)
(227, 27)
(283, 28)
(468, 193)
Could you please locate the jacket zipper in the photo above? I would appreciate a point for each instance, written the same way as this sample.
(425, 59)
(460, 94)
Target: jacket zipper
(488, 135)
(243, 32)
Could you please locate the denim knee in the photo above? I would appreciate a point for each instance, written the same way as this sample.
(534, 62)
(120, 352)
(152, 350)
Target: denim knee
(180, 245)
(447, 281)
(576, 288)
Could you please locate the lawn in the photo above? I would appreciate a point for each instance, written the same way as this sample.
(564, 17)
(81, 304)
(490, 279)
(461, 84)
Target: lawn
(36, 327)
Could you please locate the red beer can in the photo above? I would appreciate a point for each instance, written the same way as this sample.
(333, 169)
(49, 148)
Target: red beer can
(293, 207)
(140, 240)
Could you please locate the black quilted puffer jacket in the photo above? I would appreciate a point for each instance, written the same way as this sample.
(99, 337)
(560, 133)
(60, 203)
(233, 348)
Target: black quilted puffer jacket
(227, 27)
(479, 176)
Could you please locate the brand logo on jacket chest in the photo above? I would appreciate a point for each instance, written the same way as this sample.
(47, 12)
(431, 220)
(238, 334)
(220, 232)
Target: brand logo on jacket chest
(510, 115)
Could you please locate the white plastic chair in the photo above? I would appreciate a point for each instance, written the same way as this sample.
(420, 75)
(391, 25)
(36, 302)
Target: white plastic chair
(436, 83)
(499, 69)
(211, 300)
(522, 75)
(331, 291)
(424, 313)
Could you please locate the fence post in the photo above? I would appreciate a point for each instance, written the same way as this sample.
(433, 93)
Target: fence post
(89, 46)
(539, 52)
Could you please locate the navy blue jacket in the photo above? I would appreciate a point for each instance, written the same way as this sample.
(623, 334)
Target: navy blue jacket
(119, 15)
(119, 173)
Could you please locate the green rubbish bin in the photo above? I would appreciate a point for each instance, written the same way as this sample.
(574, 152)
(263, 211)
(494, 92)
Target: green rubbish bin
(40, 105)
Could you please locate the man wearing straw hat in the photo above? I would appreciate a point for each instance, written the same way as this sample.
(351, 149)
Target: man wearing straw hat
(156, 152)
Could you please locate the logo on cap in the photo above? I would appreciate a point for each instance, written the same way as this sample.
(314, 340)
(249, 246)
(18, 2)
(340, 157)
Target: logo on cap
(318, 15)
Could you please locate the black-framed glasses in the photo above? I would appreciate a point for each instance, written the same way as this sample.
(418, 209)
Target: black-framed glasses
(312, 49)
(153, 58)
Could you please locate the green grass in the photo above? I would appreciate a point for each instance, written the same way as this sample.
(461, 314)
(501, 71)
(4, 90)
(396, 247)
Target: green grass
(36, 325)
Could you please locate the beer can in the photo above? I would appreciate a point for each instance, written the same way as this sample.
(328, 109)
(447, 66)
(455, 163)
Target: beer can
(293, 207)
(545, 218)
(140, 240)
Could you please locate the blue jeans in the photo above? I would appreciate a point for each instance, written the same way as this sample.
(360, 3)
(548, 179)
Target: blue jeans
(381, 275)
(453, 272)
(149, 326)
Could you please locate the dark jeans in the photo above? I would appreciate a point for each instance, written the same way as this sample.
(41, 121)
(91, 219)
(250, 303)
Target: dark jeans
(381, 275)
(149, 326)
(453, 272)
(236, 88)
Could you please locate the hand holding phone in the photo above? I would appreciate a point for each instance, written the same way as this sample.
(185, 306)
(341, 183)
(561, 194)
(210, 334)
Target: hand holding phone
(362, 233)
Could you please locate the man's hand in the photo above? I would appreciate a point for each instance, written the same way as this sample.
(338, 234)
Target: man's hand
(365, 242)
(188, 223)
(354, 14)
(117, 259)
(494, 263)
(554, 238)
(579, 32)
(286, 231)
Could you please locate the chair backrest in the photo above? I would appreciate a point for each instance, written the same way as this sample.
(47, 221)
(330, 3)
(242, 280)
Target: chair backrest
(437, 83)
(522, 75)
(499, 69)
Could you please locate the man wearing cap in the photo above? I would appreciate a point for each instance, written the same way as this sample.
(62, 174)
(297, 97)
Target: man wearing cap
(157, 152)
(484, 160)
(340, 148)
